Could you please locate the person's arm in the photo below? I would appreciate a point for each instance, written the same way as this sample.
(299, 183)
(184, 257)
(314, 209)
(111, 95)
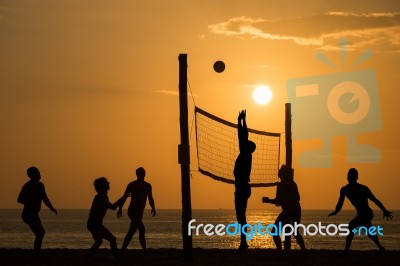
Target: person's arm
(47, 202)
(297, 192)
(21, 196)
(339, 204)
(268, 200)
(119, 203)
(386, 213)
(243, 133)
(276, 200)
(124, 197)
(151, 201)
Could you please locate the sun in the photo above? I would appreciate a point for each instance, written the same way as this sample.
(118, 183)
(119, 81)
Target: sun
(262, 94)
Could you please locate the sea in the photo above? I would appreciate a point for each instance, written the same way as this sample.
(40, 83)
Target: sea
(68, 230)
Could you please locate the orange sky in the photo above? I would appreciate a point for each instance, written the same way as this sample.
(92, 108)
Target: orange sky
(89, 89)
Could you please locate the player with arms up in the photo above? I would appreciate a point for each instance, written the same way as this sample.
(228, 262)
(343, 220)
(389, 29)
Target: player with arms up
(242, 172)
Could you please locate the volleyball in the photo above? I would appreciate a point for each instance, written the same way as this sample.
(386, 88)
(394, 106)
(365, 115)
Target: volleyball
(219, 66)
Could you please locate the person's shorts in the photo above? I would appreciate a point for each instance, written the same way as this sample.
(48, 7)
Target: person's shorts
(31, 218)
(135, 215)
(92, 225)
(363, 219)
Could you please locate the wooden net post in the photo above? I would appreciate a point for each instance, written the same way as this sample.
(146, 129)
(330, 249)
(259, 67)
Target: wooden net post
(288, 134)
(184, 158)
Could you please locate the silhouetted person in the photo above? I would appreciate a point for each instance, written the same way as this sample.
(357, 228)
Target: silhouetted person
(139, 190)
(242, 172)
(359, 195)
(32, 194)
(99, 208)
(288, 197)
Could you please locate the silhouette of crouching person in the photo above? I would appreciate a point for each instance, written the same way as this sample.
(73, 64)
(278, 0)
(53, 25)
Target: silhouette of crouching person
(358, 196)
(288, 197)
(98, 210)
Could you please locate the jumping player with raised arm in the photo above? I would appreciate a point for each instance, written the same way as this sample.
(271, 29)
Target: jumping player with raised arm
(242, 172)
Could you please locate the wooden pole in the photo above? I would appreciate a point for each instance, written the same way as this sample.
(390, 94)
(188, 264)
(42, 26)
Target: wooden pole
(184, 158)
(288, 135)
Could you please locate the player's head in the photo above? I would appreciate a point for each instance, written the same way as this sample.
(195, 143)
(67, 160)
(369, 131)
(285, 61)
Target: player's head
(140, 173)
(33, 173)
(101, 185)
(251, 146)
(352, 175)
(285, 172)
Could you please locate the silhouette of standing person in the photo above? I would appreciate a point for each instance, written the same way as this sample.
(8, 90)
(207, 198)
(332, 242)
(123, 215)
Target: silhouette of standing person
(242, 172)
(32, 194)
(288, 197)
(359, 195)
(98, 210)
(139, 190)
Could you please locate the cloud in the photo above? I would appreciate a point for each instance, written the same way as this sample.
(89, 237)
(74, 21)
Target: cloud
(244, 26)
(364, 29)
(365, 38)
(391, 51)
(235, 26)
(370, 15)
(173, 93)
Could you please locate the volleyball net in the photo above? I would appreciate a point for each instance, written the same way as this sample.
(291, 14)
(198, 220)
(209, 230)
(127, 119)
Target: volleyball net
(218, 148)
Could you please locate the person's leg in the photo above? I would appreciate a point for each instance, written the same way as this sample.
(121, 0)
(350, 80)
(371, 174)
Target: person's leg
(349, 239)
(107, 235)
(277, 238)
(300, 241)
(286, 219)
(138, 216)
(240, 211)
(243, 241)
(298, 236)
(39, 235)
(374, 238)
(240, 207)
(142, 235)
(287, 242)
(129, 235)
(98, 239)
(35, 225)
(377, 243)
(353, 224)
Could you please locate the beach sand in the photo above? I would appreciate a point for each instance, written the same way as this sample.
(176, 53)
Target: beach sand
(76, 257)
